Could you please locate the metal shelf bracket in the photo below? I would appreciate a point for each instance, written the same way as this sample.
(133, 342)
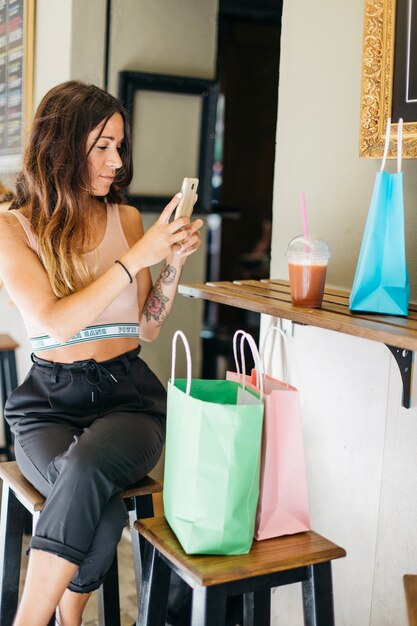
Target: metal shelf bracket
(404, 359)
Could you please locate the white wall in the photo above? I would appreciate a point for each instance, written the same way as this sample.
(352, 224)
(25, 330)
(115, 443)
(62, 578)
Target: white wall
(318, 137)
(360, 443)
(53, 30)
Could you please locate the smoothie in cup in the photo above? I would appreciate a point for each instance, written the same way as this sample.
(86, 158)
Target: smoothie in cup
(307, 266)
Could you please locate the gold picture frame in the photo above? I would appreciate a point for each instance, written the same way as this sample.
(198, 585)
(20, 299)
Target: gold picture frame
(377, 83)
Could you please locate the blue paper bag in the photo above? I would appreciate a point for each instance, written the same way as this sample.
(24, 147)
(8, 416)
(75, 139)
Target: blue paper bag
(381, 283)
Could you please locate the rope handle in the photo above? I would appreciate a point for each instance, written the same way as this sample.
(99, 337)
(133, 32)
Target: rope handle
(177, 334)
(286, 367)
(399, 144)
(235, 336)
(256, 359)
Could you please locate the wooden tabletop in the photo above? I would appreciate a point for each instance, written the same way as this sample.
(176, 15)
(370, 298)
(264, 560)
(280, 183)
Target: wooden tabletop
(273, 298)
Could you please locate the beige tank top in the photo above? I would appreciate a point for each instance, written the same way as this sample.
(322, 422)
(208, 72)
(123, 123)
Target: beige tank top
(120, 318)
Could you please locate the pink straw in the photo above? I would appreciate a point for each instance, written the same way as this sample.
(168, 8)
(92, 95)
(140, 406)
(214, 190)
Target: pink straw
(304, 213)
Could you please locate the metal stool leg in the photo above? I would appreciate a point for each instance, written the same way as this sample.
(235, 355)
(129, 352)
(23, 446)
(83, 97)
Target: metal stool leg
(11, 535)
(139, 507)
(8, 382)
(108, 598)
(143, 507)
(155, 587)
(318, 596)
(108, 594)
(209, 606)
(257, 608)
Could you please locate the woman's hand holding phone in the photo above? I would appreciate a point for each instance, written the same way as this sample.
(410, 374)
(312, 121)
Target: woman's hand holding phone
(174, 239)
(189, 196)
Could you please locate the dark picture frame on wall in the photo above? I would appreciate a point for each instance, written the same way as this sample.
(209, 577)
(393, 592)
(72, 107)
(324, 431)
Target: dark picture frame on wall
(404, 92)
(173, 122)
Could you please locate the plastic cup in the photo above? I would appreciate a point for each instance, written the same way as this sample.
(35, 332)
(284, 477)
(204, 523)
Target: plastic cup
(307, 266)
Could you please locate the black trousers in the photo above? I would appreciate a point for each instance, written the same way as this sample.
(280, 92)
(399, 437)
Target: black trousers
(84, 432)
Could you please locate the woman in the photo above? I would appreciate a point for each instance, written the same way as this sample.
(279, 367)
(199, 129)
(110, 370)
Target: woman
(89, 418)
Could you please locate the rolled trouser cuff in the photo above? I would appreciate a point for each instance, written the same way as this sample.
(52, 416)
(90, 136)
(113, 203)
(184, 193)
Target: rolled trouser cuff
(59, 549)
(86, 588)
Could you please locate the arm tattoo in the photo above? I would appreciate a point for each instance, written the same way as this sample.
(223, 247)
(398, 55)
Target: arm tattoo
(168, 274)
(156, 303)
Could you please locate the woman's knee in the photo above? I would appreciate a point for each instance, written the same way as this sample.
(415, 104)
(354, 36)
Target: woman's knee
(79, 461)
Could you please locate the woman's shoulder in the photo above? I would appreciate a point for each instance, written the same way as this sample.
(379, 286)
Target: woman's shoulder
(129, 212)
(14, 224)
(131, 219)
(9, 220)
(13, 238)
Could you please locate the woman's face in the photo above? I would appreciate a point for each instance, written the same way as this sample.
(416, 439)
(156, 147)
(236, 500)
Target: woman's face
(104, 158)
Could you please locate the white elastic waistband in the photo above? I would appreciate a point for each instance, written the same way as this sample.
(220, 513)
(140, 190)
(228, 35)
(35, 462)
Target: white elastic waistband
(90, 333)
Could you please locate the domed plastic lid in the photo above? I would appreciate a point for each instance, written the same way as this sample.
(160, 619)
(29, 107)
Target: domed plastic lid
(310, 247)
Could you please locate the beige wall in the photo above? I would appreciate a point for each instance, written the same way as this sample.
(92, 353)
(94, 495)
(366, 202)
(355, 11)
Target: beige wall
(360, 443)
(146, 35)
(69, 43)
(163, 37)
(177, 38)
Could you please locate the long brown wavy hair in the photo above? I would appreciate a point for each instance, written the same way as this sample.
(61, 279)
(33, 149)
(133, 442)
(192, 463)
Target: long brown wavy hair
(54, 185)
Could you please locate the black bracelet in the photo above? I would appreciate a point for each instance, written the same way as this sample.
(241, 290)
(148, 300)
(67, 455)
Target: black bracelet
(125, 269)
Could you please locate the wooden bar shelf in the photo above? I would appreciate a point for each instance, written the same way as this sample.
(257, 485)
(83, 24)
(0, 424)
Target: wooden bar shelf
(272, 297)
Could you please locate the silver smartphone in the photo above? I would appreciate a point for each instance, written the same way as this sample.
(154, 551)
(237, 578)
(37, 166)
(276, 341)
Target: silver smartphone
(189, 192)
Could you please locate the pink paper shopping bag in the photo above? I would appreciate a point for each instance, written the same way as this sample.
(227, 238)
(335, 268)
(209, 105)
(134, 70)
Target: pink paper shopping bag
(283, 499)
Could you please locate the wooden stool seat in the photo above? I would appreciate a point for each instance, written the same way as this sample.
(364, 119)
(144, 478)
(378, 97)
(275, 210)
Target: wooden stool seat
(410, 588)
(304, 557)
(18, 496)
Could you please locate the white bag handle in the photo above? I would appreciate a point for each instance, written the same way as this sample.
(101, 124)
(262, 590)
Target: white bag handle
(399, 144)
(177, 334)
(235, 336)
(256, 359)
(286, 353)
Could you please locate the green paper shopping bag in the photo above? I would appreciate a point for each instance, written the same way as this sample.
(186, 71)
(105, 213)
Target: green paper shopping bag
(212, 461)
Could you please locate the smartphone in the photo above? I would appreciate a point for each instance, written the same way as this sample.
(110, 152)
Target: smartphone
(189, 191)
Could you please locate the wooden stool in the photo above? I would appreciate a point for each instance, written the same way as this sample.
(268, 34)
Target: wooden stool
(410, 588)
(19, 495)
(8, 382)
(305, 557)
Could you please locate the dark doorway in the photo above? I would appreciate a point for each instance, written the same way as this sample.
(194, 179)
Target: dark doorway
(249, 33)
